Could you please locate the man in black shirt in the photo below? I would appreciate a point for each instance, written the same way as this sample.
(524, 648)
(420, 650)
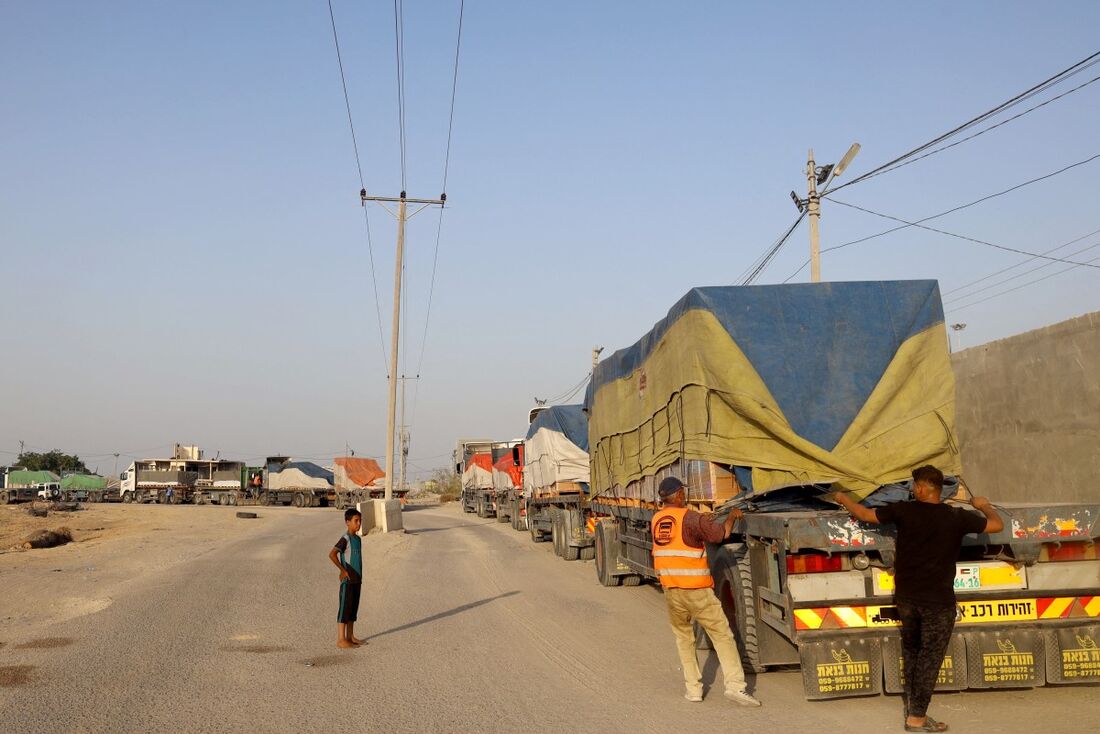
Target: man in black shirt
(929, 537)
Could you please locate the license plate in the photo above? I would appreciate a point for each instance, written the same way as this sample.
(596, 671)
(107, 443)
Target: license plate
(967, 577)
(971, 612)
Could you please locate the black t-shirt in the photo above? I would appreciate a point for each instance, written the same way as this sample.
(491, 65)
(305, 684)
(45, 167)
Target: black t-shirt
(929, 538)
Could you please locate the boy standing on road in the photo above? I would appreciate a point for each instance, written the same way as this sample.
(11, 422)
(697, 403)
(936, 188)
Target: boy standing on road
(929, 538)
(347, 554)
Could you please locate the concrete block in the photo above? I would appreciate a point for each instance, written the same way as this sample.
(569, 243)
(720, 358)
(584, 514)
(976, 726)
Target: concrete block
(381, 516)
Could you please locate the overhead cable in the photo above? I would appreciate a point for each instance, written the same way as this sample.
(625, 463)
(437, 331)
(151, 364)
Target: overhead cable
(1029, 271)
(1088, 263)
(1061, 76)
(362, 183)
(1019, 264)
(762, 262)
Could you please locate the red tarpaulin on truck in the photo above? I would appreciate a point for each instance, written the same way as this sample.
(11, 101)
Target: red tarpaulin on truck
(362, 472)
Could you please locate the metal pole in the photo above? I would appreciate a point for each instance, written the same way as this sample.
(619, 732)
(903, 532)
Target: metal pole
(404, 438)
(391, 424)
(814, 210)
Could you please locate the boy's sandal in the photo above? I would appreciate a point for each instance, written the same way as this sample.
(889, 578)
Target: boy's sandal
(929, 724)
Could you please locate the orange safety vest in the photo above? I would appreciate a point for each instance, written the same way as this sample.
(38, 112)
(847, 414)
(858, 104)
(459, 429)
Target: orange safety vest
(678, 564)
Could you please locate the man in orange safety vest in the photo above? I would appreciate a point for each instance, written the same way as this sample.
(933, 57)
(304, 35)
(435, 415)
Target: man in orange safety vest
(680, 536)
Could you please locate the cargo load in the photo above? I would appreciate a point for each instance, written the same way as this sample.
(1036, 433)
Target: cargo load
(27, 478)
(848, 384)
(299, 475)
(478, 471)
(351, 473)
(556, 452)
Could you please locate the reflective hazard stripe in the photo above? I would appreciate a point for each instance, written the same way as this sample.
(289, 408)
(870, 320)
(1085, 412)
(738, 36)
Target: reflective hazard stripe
(1055, 608)
(808, 619)
(684, 572)
(679, 553)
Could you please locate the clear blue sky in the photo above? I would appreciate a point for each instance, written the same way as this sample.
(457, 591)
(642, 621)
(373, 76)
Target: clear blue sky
(184, 254)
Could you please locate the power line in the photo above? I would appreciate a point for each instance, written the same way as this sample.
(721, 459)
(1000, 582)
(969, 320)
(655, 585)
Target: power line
(362, 183)
(446, 170)
(1087, 263)
(963, 237)
(918, 223)
(970, 294)
(762, 262)
(980, 132)
(399, 50)
(1061, 76)
(1021, 263)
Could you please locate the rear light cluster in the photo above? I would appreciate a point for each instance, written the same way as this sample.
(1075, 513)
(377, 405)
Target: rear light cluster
(1074, 551)
(814, 563)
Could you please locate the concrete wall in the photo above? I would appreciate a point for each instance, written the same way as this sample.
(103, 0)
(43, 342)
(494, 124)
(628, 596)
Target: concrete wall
(1028, 414)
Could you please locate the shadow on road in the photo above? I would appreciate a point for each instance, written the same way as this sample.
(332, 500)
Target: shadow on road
(485, 524)
(441, 615)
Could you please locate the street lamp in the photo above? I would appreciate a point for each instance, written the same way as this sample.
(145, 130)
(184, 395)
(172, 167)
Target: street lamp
(819, 176)
(958, 328)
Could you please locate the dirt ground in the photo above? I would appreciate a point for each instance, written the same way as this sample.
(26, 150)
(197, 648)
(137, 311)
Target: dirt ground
(113, 546)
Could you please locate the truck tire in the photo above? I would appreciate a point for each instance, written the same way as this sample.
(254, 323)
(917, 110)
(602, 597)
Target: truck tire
(501, 517)
(517, 518)
(340, 502)
(266, 499)
(247, 515)
(607, 542)
(570, 520)
(587, 553)
(298, 500)
(555, 531)
(735, 591)
(197, 499)
(4, 497)
(632, 580)
(481, 511)
(128, 497)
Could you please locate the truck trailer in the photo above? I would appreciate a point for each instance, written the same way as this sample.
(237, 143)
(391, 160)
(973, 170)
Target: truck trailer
(507, 480)
(474, 464)
(297, 483)
(556, 481)
(24, 485)
(358, 480)
(766, 398)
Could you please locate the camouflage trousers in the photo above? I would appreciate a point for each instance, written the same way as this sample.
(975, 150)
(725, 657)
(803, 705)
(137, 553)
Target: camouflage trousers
(925, 634)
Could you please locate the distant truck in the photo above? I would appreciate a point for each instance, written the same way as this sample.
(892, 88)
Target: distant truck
(358, 480)
(507, 494)
(297, 483)
(23, 485)
(83, 488)
(157, 481)
(556, 481)
(474, 464)
(767, 397)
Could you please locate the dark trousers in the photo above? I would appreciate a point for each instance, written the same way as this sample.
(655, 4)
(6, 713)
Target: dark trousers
(925, 634)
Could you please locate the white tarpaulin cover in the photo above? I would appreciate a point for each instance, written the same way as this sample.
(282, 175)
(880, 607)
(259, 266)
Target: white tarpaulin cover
(556, 448)
(300, 475)
(478, 473)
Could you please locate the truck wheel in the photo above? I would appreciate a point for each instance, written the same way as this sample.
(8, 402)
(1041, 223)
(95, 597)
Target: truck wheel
(197, 499)
(481, 509)
(607, 541)
(501, 517)
(298, 500)
(556, 534)
(632, 580)
(340, 502)
(569, 520)
(128, 497)
(735, 591)
(517, 518)
(265, 498)
(4, 498)
(587, 553)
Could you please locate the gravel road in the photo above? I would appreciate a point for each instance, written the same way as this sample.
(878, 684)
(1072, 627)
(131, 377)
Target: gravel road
(471, 627)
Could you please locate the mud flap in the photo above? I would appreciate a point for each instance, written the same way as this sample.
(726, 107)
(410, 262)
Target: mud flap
(1073, 654)
(1009, 658)
(841, 667)
(952, 675)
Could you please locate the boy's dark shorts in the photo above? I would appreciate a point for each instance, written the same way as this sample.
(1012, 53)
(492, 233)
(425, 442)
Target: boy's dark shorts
(349, 602)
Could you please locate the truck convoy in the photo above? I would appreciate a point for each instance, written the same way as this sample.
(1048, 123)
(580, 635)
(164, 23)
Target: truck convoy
(357, 480)
(766, 398)
(23, 485)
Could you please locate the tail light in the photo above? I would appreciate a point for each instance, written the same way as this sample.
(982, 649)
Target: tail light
(814, 563)
(1073, 551)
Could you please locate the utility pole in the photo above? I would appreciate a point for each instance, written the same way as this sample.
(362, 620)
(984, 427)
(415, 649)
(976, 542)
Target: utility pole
(813, 205)
(402, 217)
(595, 359)
(404, 434)
(819, 176)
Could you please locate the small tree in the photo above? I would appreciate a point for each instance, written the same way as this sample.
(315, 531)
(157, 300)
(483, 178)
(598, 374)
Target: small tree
(54, 461)
(448, 485)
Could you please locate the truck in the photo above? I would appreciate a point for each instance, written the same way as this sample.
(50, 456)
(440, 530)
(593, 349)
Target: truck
(767, 398)
(507, 480)
(298, 483)
(556, 481)
(474, 464)
(83, 487)
(358, 480)
(24, 485)
(162, 481)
